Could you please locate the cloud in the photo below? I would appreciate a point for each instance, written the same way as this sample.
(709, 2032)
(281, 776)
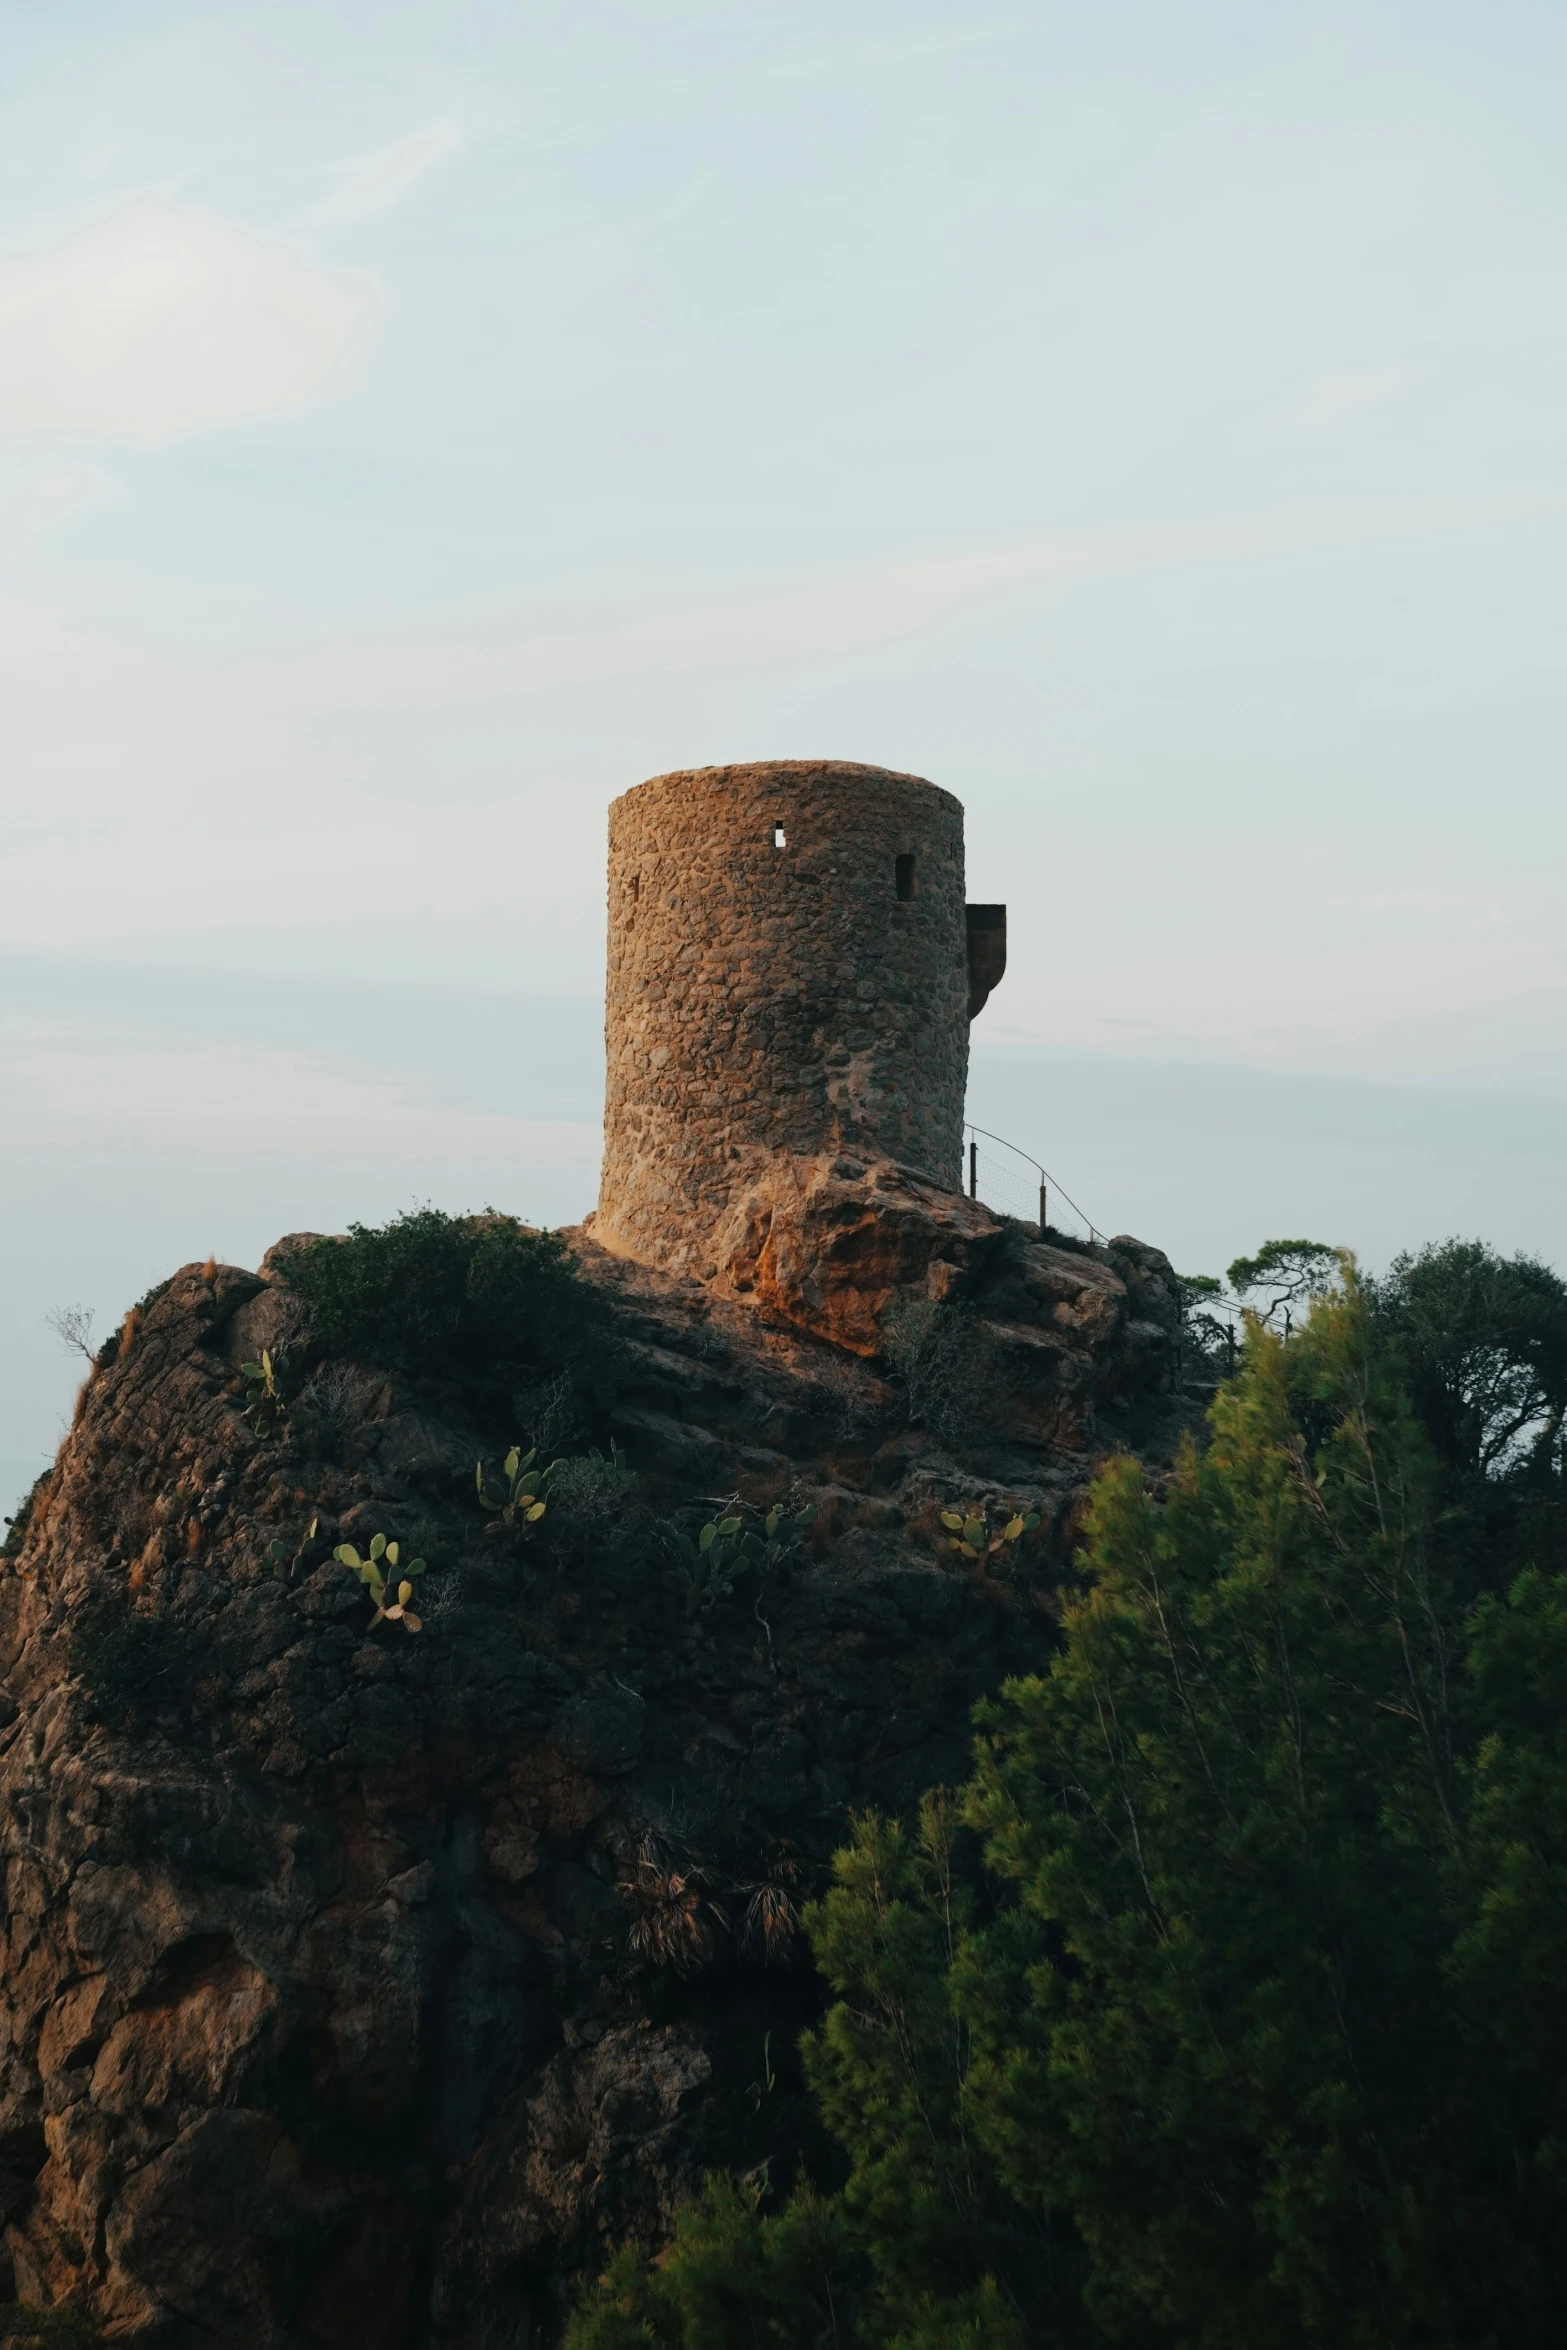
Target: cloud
(368, 184)
(162, 321)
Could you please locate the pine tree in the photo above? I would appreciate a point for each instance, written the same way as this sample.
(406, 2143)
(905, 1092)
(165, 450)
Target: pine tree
(1222, 2010)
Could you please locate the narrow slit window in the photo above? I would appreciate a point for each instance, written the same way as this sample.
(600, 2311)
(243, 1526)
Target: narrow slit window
(780, 839)
(636, 887)
(904, 877)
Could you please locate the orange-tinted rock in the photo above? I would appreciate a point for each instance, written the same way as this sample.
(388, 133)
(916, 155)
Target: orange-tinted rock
(822, 1245)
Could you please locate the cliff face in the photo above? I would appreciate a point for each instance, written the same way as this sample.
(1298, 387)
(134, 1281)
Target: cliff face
(359, 1986)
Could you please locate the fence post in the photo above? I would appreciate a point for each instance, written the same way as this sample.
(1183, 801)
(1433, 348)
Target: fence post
(1042, 1216)
(973, 1170)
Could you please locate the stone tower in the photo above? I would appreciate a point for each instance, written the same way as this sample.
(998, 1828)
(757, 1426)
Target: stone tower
(792, 971)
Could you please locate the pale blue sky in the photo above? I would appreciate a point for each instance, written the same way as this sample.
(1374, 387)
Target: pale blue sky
(418, 424)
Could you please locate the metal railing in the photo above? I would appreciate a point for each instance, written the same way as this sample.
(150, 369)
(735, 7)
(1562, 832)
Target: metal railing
(1008, 1190)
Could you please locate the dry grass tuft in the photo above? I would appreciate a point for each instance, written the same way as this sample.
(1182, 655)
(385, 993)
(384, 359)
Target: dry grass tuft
(769, 1924)
(150, 1556)
(677, 1924)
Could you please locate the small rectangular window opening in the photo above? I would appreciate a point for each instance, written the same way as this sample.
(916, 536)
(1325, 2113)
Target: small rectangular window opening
(779, 839)
(636, 887)
(906, 884)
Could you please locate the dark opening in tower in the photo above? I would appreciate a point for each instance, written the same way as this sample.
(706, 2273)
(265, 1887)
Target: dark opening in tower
(903, 876)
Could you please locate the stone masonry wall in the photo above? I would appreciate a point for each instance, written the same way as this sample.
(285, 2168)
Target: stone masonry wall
(776, 995)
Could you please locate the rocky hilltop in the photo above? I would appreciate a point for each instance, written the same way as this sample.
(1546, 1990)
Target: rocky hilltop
(361, 1984)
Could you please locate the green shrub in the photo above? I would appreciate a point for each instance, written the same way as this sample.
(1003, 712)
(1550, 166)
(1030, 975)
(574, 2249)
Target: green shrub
(286, 1561)
(974, 1536)
(728, 2275)
(375, 1571)
(594, 1509)
(478, 1302)
(729, 1547)
(945, 1359)
(267, 1406)
(521, 1503)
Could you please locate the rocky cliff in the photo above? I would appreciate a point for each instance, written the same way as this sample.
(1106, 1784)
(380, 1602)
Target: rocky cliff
(360, 1984)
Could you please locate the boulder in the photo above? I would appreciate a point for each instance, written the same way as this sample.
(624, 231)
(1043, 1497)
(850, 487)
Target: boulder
(821, 1245)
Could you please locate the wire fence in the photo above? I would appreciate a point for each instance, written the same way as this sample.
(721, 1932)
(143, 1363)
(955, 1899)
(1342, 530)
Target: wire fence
(1014, 1183)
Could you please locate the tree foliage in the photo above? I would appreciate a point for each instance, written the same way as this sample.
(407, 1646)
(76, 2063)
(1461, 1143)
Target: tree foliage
(1222, 2009)
(1484, 1341)
(890, 2068)
(1208, 1325)
(1283, 1275)
(728, 2276)
(1228, 1815)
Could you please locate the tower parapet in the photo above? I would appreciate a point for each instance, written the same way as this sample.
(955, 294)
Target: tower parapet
(790, 972)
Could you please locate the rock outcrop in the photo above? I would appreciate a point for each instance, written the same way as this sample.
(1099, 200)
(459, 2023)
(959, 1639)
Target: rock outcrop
(821, 1245)
(359, 1987)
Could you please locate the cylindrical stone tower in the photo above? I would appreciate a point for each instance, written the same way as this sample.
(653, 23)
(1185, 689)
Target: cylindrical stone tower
(789, 973)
